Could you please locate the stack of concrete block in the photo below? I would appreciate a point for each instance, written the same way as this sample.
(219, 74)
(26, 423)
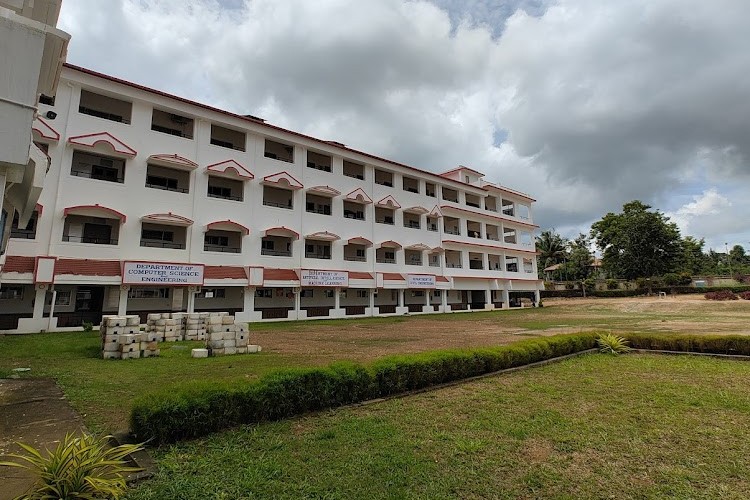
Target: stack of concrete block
(164, 327)
(196, 325)
(181, 319)
(122, 339)
(226, 337)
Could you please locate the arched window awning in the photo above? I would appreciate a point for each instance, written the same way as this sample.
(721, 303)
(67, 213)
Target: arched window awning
(416, 210)
(436, 212)
(418, 246)
(388, 202)
(228, 225)
(437, 250)
(323, 236)
(103, 142)
(359, 241)
(95, 211)
(389, 244)
(172, 161)
(282, 231)
(282, 180)
(231, 170)
(43, 130)
(168, 219)
(359, 196)
(326, 191)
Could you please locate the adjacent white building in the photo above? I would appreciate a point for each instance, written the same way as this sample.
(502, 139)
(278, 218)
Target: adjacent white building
(156, 203)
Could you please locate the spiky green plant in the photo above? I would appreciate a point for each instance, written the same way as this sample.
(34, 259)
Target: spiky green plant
(610, 343)
(81, 467)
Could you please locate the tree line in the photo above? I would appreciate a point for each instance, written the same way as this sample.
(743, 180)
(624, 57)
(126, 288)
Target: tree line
(636, 243)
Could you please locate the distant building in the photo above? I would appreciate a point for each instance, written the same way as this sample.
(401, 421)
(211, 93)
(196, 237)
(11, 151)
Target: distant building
(157, 203)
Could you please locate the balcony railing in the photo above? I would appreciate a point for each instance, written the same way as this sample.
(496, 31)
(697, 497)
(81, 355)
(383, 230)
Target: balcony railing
(170, 131)
(432, 227)
(102, 114)
(434, 263)
(354, 215)
(414, 263)
(385, 261)
(322, 210)
(454, 265)
(227, 197)
(455, 231)
(388, 221)
(226, 144)
(162, 244)
(22, 234)
(475, 265)
(472, 204)
(168, 188)
(221, 248)
(89, 239)
(276, 253)
(288, 205)
(311, 255)
(412, 225)
(354, 176)
(89, 175)
(354, 258)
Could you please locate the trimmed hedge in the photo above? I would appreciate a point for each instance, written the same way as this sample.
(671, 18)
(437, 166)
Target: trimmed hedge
(712, 344)
(199, 409)
(643, 291)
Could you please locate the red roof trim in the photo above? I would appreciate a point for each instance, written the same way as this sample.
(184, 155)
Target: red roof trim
(51, 134)
(174, 159)
(461, 167)
(91, 140)
(393, 277)
(39, 208)
(282, 228)
(230, 165)
(224, 272)
(111, 211)
(261, 124)
(88, 267)
(279, 275)
(504, 189)
(286, 176)
(388, 202)
(484, 214)
(390, 242)
(243, 229)
(167, 218)
(18, 264)
(358, 193)
(357, 275)
(359, 240)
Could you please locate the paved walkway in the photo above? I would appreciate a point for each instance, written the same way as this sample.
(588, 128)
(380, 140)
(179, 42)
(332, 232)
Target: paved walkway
(32, 411)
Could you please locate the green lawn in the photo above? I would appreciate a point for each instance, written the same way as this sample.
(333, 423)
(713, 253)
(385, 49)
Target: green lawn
(635, 426)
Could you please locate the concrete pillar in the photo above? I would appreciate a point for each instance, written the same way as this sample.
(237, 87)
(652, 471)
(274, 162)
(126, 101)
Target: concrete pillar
(537, 298)
(427, 294)
(297, 302)
(190, 301)
(248, 301)
(122, 303)
(337, 298)
(401, 292)
(444, 300)
(488, 305)
(506, 299)
(39, 298)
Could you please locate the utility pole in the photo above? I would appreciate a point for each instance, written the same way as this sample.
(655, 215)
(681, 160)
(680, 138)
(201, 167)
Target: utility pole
(729, 258)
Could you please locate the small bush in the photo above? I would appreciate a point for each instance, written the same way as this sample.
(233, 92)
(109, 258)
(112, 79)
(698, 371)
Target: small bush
(612, 284)
(612, 344)
(79, 468)
(744, 295)
(713, 344)
(88, 327)
(721, 295)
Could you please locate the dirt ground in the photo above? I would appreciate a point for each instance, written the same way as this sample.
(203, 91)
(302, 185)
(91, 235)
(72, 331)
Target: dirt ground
(371, 339)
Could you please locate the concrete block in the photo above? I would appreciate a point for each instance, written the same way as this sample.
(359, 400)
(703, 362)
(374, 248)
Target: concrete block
(133, 320)
(216, 336)
(230, 350)
(217, 352)
(216, 344)
(110, 339)
(116, 321)
(127, 348)
(133, 355)
(199, 353)
(111, 347)
(227, 320)
(127, 339)
(214, 320)
(171, 322)
(111, 355)
(230, 343)
(253, 348)
(241, 350)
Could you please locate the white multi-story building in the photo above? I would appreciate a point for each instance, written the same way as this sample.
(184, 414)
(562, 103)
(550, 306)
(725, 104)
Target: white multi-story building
(157, 203)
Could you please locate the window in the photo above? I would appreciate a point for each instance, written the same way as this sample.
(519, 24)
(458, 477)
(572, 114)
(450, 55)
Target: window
(227, 189)
(307, 293)
(265, 293)
(430, 189)
(279, 198)
(157, 234)
(11, 293)
(266, 244)
(319, 161)
(26, 233)
(62, 298)
(93, 166)
(450, 194)
(417, 293)
(436, 293)
(148, 293)
(383, 178)
(362, 294)
(278, 151)
(317, 204)
(328, 293)
(106, 107)
(411, 184)
(360, 252)
(354, 210)
(227, 138)
(45, 99)
(155, 181)
(172, 124)
(318, 250)
(354, 170)
(212, 293)
(219, 241)
(219, 191)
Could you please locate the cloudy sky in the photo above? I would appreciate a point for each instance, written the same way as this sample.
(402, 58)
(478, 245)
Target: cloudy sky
(584, 104)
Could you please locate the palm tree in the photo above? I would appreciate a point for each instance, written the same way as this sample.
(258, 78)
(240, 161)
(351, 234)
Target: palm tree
(552, 248)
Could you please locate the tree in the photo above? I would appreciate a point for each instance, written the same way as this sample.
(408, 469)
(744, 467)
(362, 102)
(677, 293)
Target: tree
(578, 265)
(694, 261)
(637, 242)
(552, 249)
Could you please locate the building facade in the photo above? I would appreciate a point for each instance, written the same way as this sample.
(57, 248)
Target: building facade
(154, 203)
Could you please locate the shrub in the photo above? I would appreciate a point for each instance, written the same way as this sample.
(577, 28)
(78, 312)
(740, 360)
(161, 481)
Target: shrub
(721, 295)
(612, 284)
(88, 326)
(197, 410)
(610, 343)
(713, 344)
(744, 295)
(79, 468)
